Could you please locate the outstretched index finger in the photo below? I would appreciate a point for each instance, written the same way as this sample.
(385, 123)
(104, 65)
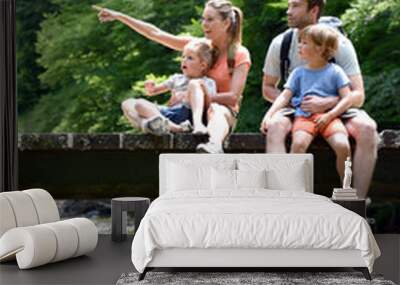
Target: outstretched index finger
(97, 8)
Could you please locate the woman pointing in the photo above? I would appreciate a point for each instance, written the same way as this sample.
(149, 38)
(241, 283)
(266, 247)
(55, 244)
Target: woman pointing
(222, 25)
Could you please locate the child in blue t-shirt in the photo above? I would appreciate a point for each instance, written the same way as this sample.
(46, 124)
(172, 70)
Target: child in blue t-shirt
(318, 76)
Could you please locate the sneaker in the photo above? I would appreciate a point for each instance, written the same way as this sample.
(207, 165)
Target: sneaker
(209, 147)
(186, 126)
(201, 131)
(157, 126)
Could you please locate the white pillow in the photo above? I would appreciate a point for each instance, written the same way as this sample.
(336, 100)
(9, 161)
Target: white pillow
(223, 179)
(231, 180)
(290, 178)
(193, 174)
(281, 173)
(251, 178)
(183, 177)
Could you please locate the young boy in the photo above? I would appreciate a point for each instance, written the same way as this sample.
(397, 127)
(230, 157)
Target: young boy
(197, 58)
(318, 43)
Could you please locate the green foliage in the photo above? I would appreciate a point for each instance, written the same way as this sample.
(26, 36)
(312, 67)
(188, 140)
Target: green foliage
(96, 65)
(336, 7)
(263, 21)
(87, 68)
(251, 113)
(383, 102)
(374, 27)
(28, 18)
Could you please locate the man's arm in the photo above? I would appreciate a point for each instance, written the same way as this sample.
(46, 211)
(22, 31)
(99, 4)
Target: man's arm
(346, 58)
(317, 104)
(357, 90)
(344, 104)
(270, 90)
(281, 101)
(272, 70)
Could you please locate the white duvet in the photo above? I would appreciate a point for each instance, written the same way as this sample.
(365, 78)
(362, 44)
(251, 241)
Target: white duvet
(250, 219)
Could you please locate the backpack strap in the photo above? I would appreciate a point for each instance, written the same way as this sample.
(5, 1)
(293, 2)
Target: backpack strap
(284, 55)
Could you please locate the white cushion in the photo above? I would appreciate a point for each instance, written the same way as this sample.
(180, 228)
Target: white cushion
(7, 218)
(251, 178)
(193, 175)
(45, 205)
(87, 233)
(282, 174)
(26, 208)
(241, 161)
(40, 244)
(23, 208)
(67, 240)
(34, 244)
(186, 177)
(223, 179)
(291, 178)
(231, 180)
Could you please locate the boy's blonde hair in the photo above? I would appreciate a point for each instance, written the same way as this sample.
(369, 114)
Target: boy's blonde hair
(324, 37)
(203, 50)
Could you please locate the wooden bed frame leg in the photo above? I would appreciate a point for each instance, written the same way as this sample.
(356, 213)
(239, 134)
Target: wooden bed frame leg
(143, 274)
(364, 271)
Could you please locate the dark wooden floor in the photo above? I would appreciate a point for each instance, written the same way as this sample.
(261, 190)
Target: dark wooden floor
(106, 264)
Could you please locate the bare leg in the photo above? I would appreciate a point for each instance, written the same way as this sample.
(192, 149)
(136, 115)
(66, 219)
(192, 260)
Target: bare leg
(301, 140)
(219, 121)
(279, 127)
(196, 98)
(340, 144)
(146, 109)
(137, 111)
(129, 110)
(363, 129)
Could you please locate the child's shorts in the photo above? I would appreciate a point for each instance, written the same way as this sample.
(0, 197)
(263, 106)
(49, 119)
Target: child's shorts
(177, 113)
(308, 124)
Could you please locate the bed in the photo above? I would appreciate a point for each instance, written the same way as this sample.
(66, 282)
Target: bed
(246, 211)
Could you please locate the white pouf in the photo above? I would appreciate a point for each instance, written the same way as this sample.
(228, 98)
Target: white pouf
(31, 232)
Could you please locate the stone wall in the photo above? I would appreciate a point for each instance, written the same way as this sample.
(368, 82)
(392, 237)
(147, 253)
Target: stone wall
(116, 164)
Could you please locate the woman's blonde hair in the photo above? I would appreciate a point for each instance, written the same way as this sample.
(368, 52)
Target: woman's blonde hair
(227, 11)
(324, 37)
(204, 50)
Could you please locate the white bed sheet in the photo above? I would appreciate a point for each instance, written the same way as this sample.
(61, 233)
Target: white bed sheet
(250, 218)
